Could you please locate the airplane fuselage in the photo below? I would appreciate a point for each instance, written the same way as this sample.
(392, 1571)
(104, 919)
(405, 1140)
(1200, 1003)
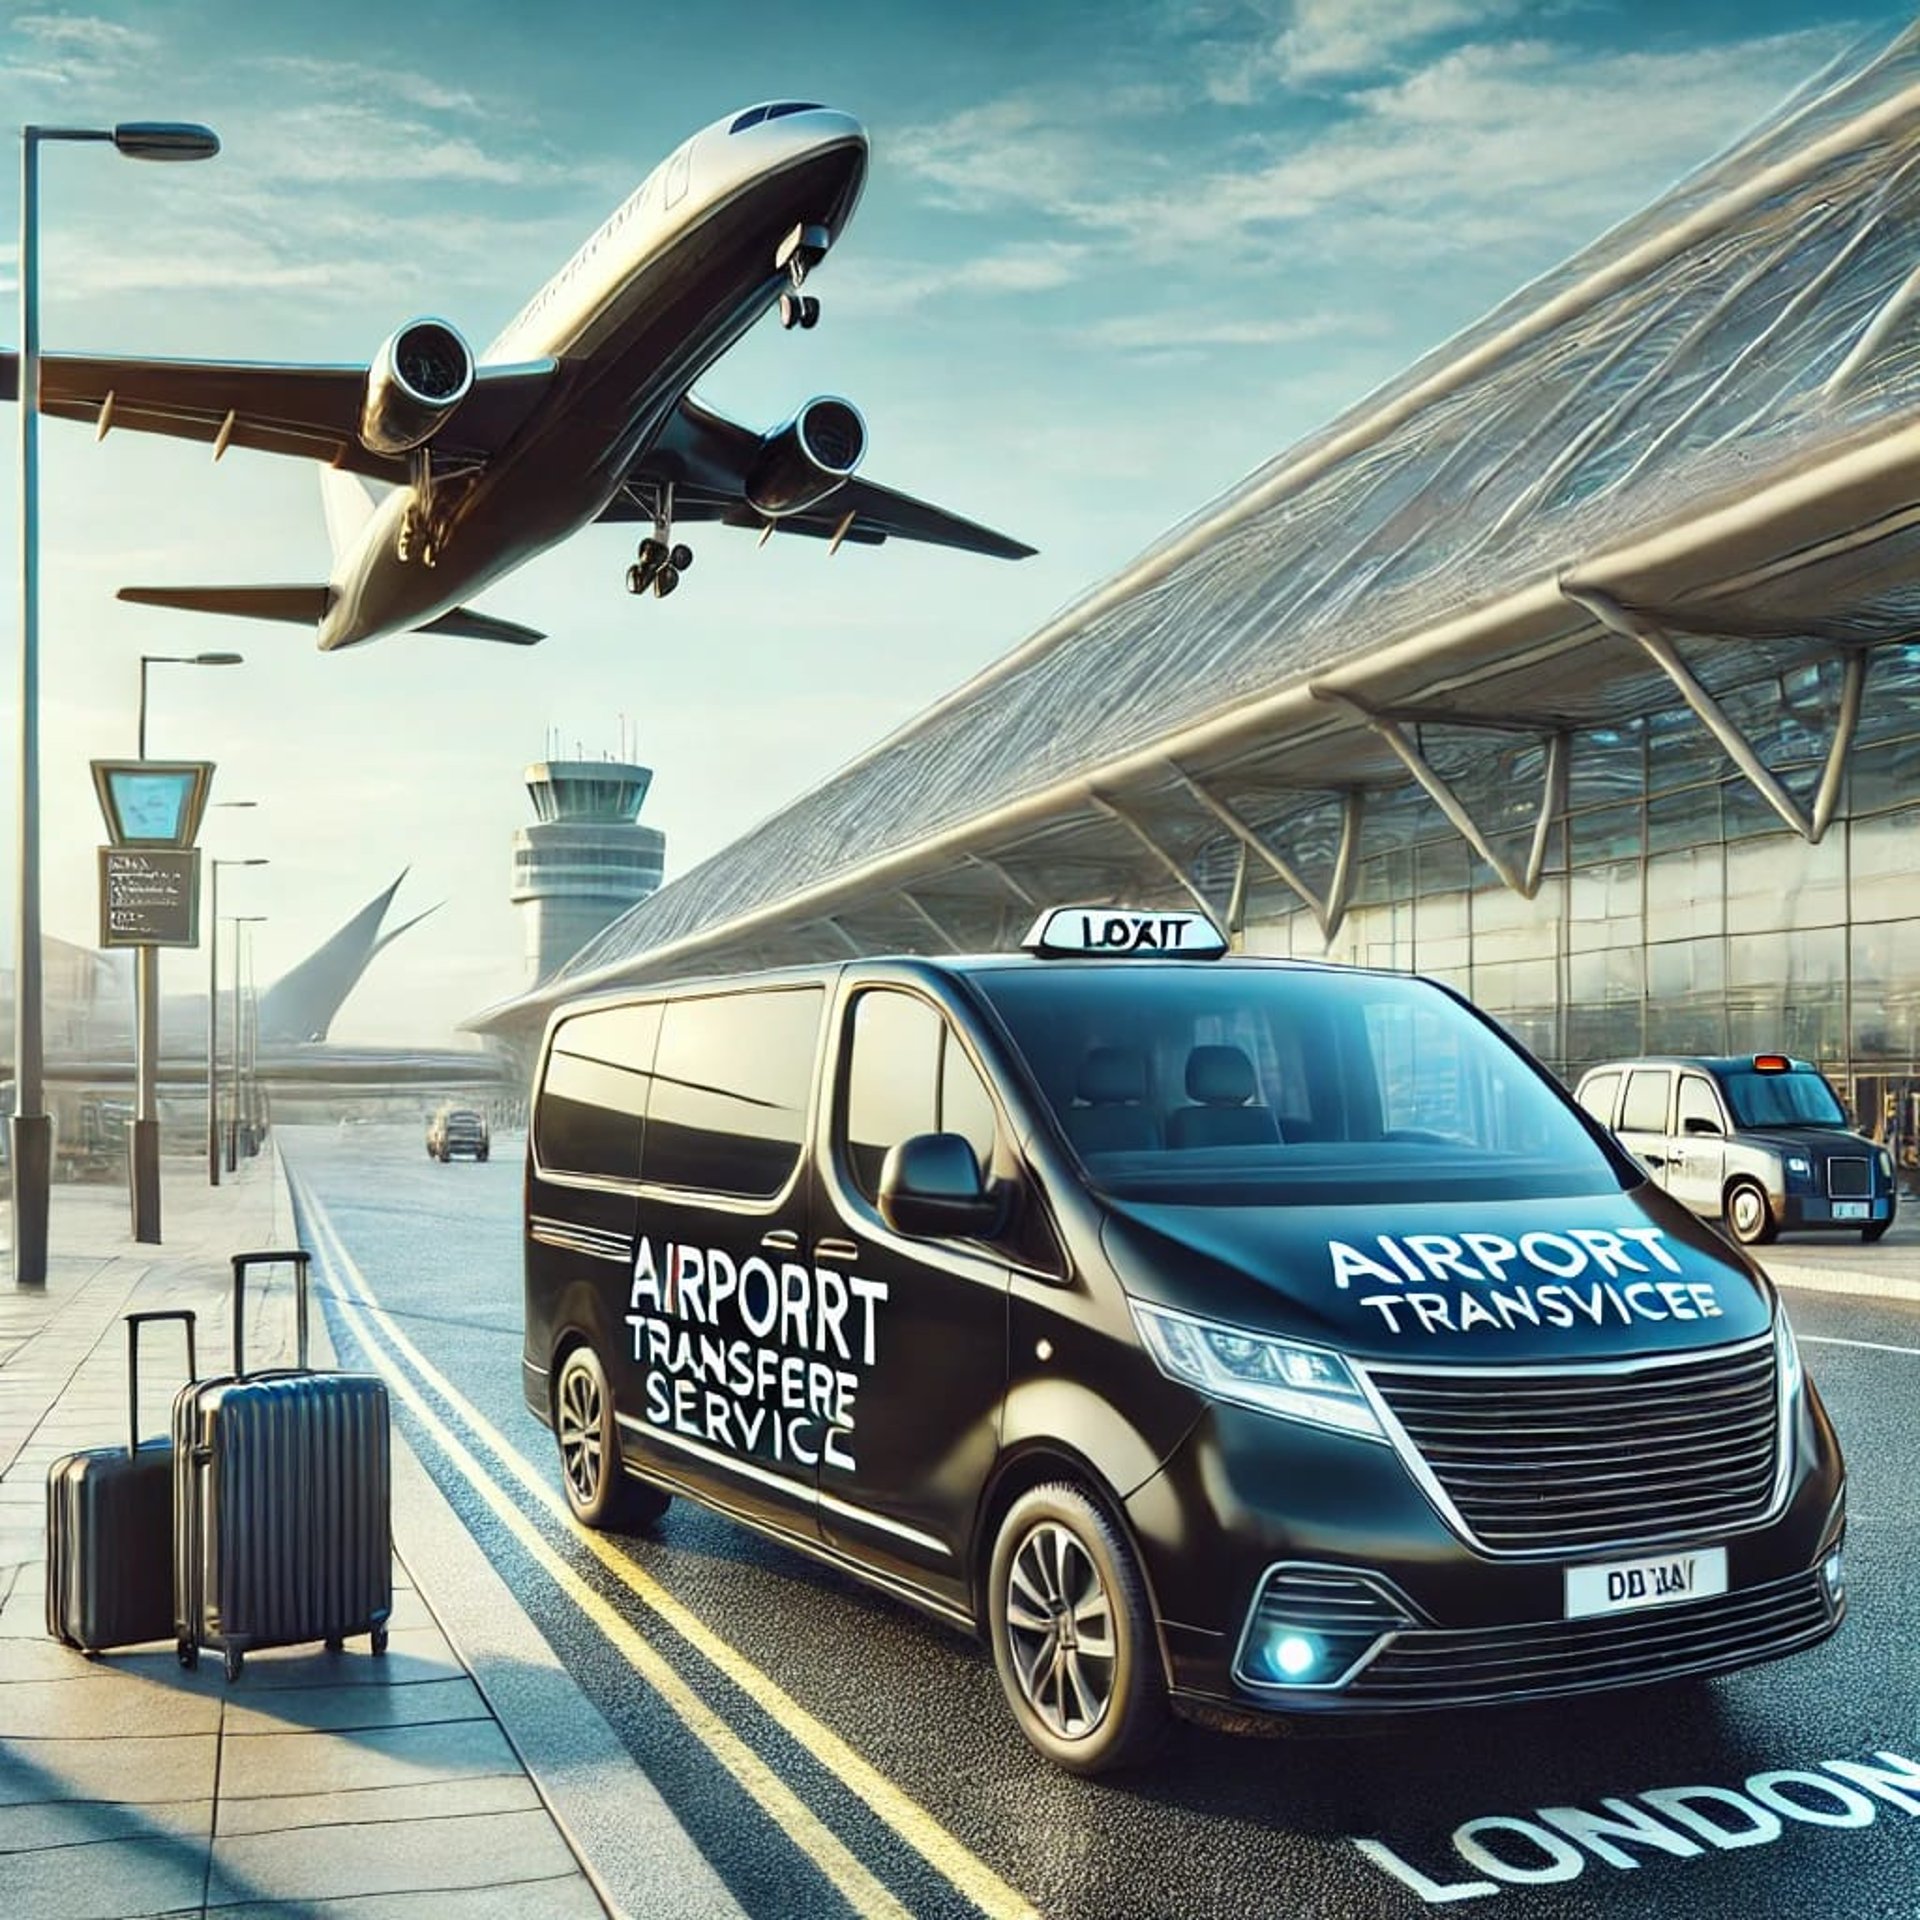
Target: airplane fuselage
(679, 273)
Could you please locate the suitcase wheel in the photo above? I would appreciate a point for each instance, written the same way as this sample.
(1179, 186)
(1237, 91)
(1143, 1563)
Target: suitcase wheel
(334, 1643)
(379, 1639)
(235, 1661)
(189, 1654)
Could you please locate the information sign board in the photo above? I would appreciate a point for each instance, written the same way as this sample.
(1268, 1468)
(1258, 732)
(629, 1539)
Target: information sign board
(149, 897)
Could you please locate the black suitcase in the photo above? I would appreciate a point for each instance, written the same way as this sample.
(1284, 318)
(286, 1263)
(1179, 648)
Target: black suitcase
(110, 1528)
(282, 1501)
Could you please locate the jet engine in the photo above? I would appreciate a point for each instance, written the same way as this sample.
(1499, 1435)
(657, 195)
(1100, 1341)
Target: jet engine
(417, 379)
(802, 462)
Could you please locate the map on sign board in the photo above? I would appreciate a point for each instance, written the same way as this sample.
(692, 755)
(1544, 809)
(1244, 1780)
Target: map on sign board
(149, 897)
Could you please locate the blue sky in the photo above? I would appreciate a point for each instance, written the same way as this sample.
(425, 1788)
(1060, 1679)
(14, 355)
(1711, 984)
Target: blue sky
(1109, 259)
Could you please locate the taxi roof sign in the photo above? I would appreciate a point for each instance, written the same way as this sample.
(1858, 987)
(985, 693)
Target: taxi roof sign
(1772, 1063)
(1123, 933)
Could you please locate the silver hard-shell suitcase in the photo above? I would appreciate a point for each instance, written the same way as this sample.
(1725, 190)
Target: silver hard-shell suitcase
(282, 1501)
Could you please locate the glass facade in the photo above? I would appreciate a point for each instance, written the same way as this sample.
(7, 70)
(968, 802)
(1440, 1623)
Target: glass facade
(1676, 913)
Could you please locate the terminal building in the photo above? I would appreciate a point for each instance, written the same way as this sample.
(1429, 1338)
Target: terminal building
(1579, 666)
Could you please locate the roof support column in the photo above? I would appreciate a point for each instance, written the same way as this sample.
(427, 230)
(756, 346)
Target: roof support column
(1711, 715)
(920, 913)
(1525, 883)
(1001, 874)
(1154, 847)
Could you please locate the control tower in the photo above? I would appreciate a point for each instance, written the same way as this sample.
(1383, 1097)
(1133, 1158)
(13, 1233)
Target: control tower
(587, 860)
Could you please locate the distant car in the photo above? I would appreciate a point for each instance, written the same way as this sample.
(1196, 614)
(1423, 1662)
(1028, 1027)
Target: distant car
(457, 1130)
(1758, 1139)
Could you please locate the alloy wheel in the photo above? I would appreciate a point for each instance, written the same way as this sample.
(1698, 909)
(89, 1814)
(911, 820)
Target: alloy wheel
(581, 1417)
(1060, 1631)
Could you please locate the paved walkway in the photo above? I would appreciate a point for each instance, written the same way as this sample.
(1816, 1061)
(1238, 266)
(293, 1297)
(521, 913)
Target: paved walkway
(131, 1787)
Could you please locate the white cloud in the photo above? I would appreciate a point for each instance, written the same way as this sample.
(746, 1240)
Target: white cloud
(84, 34)
(882, 287)
(1174, 331)
(1329, 39)
(337, 142)
(357, 79)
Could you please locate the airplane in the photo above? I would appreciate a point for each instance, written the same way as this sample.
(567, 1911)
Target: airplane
(581, 411)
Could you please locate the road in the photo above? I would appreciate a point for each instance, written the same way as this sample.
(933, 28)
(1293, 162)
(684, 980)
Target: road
(834, 1752)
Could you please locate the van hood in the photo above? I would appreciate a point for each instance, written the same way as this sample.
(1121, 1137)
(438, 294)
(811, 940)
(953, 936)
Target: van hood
(1817, 1142)
(1604, 1276)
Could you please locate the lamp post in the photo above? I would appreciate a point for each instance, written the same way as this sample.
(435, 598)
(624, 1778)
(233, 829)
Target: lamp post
(213, 1013)
(144, 1146)
(233, 1105)
(31, 1130)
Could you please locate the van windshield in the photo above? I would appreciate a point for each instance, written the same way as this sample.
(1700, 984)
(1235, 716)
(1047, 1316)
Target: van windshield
(1255, 1086)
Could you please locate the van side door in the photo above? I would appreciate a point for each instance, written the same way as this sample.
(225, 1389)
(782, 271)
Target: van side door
(1646, 1119)
(716, 1393)
(923, 1351)
(583, 1172)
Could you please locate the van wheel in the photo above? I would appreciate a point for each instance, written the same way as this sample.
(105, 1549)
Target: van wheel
(1749, 1216)
(1073, 1634)
(1878, 1231)
(599, 1489)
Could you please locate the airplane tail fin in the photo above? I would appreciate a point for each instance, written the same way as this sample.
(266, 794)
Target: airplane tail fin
(298, 606)
(348, 502)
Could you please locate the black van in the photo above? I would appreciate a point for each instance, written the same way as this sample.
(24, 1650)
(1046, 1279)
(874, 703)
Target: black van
(1242, 1337)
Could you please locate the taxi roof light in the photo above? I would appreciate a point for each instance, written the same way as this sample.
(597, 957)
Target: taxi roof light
(1124, 933)
(1772, 1063)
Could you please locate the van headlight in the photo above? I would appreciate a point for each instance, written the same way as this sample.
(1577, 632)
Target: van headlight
(1256, 1370)
(1792, 1374)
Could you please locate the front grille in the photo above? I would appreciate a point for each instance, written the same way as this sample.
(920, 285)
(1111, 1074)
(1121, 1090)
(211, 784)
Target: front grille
(1849, 1178)
(1471, 1666)
(1544, 1462)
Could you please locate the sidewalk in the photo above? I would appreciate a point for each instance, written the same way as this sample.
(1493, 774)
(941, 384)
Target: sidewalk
(129, 1786)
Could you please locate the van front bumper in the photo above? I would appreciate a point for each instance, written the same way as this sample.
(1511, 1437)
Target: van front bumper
(1275, 1549)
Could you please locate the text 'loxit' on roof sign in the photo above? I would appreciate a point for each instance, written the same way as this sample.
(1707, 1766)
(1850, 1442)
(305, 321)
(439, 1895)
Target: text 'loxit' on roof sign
(1115, 933)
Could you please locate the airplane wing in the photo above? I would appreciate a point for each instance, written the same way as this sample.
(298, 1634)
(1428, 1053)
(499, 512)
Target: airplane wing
(308, 412)
(707, 457)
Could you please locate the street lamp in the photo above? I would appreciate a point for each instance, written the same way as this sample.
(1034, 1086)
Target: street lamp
(233, 1106)
(144, 1147)
(213, 1011)
(31, 1131)
(177, 660)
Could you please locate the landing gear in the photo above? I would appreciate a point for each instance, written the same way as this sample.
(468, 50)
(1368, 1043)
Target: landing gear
(658, 565)
(422, 531)
(796, 256)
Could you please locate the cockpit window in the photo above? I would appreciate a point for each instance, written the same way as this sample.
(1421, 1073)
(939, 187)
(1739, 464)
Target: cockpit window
(751, 118)
(792, 106)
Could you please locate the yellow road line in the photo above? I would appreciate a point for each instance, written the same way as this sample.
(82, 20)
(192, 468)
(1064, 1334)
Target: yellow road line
(942, 1850)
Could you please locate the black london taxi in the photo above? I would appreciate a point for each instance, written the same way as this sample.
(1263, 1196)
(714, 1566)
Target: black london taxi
(1759, 1140)
(1228, 1337)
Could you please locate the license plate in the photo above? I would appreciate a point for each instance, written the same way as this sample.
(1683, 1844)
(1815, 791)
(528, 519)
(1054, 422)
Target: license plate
(1664, 1580)
(1851, 1210)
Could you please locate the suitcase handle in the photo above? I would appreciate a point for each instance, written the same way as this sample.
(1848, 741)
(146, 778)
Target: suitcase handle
(241, 1262)
(135, 1321)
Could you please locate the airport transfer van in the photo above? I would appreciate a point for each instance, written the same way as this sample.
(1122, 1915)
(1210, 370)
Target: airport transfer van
(1233, 1337)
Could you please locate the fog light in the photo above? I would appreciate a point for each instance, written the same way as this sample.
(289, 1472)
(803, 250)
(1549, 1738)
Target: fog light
(1295, 1656)
(1832, 1573)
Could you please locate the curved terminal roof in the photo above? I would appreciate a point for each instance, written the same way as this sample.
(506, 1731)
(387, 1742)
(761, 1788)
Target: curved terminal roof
(1688, 455)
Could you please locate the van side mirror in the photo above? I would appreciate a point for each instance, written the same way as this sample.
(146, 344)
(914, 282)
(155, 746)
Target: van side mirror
(1699, 1123)
(930, 1187)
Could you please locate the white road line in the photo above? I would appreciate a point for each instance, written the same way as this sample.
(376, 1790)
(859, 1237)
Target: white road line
(941, 1849)
(1868, 1346)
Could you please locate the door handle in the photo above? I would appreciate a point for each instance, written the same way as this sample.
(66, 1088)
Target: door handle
(835, 1250)
(781, 1240)
(1654, 1159)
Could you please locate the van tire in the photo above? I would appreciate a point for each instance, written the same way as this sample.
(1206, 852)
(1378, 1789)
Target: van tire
(1750, 1214)
(600, 1492)
(1058, 1560)
(1878, 1231)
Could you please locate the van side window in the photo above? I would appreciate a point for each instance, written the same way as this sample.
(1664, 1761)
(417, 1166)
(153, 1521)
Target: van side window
(594, 1098)
(907, 1074)
(1598, 1096)
(730, 1085)
(1645, 1110)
